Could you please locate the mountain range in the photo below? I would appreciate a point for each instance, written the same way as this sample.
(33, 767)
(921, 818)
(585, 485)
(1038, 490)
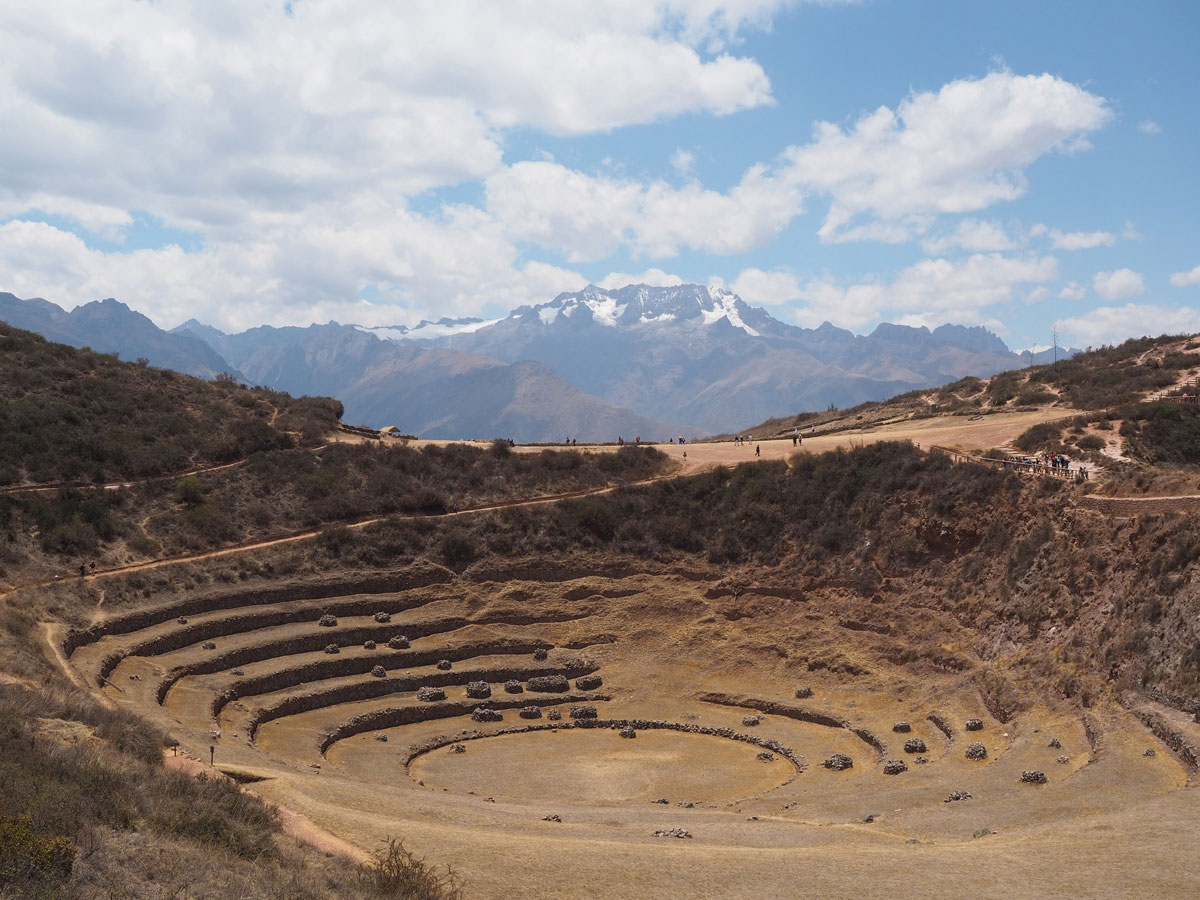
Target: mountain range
(593, 365)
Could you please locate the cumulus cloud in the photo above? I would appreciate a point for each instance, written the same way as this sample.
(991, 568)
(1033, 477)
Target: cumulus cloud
(1149, 126)
(1111, 324)
(589, 217)
(652, 277)
(1184, 279)
(960, 149)
(1120, 284)
(972, 235)
(929, 292)
(1080, 240)
(1072, 291)
(772, 288)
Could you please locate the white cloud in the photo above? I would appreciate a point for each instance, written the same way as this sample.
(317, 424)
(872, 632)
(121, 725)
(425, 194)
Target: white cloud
(961, 149)
(1184, 279)
(1111, 324)
(930, 292)
(1120, 284)
(653, 277)
(1149, 126)
(1081, 240)
(972, 235)
(1072, 291)
(683, 161)
(589, 217)
(767, 288)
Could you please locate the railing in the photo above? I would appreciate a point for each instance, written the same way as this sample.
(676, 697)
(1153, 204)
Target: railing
(1030, 466)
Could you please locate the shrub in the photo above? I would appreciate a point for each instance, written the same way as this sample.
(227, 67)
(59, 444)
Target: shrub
(26, 856)
(397, 873)
(1091, 442)
(1039, 437)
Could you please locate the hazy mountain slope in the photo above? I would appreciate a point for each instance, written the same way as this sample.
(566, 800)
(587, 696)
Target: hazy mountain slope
(432, 392)
(109, 326)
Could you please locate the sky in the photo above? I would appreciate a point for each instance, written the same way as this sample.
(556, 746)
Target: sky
(1028, 166)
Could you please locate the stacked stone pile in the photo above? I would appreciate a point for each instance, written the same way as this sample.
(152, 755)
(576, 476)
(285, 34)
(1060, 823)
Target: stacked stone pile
(914, 745)
(902, 728)
(974, 725)
(584, 711)
(750, 721)
(530, 712)
(1031, 777)
(368, 645)
(588, 682)
(382, 617)
(540, 654)
(483, 714)
(327, 621)
(444, 665)
(957, 795)
(513, 687)
(894, 767)
(332, 648)
(548, 684)
(672, 832)
(803, 693)
(379, 671)
(628, 732)
(976, 750)
(479, 690)
(430, 694)
(838, 762)
(398, 642)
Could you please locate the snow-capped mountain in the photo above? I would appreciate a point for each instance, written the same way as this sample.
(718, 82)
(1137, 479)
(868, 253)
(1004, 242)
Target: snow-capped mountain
(701, 355)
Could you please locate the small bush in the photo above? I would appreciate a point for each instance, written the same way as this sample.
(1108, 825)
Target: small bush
(397, 873)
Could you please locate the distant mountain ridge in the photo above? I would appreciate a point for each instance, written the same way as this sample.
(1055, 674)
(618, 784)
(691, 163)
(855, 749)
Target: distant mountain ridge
(593, 364)
(704, 356)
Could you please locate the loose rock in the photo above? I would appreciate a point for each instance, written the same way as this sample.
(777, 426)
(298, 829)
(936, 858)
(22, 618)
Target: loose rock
(327, 621)
(332, 648)
(1149, 752)
(1029, 777)
(974, 725)
(894, 767)
(1063, 759)
(750, 721)
(368, 645)
(430, 694)
(382, 738)
(209, 645)
(838, 762)
(486, 715)
(765, 756)
(530, 712)
(459, 748)
(1055, 743)
(182, 620)
(379, 671)
(976, 751)
(539, 654)
(552, 818)
(382, 617)
(915, 745)
(628, 732)
(444, 665)
(479, 690)
(398, 642)
(672, 832)
(957, 795)
(663, 800)
(902, 728)
(803, 693)
(921, 760)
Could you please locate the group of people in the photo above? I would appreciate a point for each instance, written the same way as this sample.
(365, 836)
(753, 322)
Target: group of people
(739, 440)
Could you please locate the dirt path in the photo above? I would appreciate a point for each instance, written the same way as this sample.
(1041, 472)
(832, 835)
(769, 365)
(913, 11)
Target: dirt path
(1129, 507)
(294, 823)
(357, 524)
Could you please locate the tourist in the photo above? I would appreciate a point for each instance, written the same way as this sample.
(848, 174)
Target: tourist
(757, 451)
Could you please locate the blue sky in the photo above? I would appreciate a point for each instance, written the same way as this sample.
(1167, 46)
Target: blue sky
(1011, 164)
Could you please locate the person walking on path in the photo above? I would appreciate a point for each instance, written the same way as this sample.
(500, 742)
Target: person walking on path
(757, 450)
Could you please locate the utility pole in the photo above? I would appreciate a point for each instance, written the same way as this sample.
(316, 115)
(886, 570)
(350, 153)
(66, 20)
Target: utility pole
(1054, 339)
